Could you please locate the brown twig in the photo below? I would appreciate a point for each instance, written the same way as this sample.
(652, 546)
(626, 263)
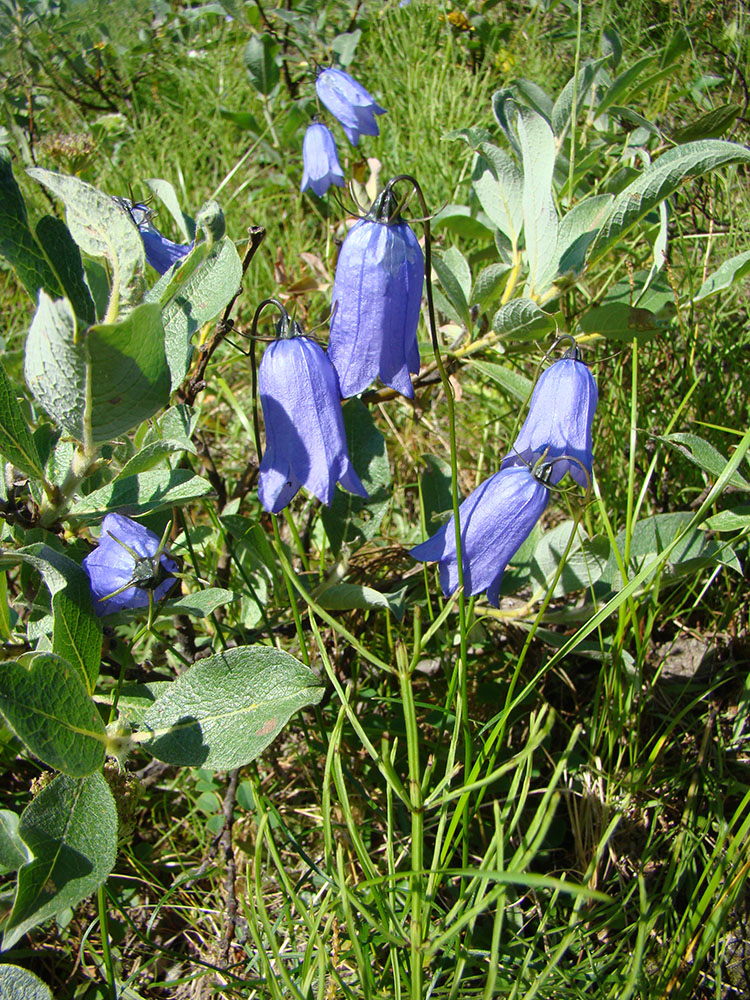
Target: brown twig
(195, 383)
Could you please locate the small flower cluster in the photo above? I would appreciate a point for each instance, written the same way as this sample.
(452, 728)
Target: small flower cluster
(355, 109)
(377, 295)
(499, 515)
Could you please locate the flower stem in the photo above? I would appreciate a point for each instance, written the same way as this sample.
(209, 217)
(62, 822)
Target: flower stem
(290, 590)
(101, 901)
(416, 807)
(462, 713)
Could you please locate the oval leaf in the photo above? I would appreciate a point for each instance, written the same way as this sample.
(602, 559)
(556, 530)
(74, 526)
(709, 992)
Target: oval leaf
(522, 319)
(70, 830)
(725, 276)
(225, 710)
(101, 228)
(20, 984)
(49, 709)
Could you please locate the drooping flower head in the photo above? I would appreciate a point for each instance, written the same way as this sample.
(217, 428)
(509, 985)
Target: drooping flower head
(496, 518)
(320, 160)
(305, 437)
(349, 103)
(377, 294)
(559, 420)
(161, 253)
(126, 565)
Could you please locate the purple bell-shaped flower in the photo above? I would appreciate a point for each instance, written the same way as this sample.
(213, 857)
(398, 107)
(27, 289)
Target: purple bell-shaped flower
(320, 160)
(377, 295)
(124, 567)
(349, 103)
(305, 437)
(559, 421)
(496, 518)
(161, 253)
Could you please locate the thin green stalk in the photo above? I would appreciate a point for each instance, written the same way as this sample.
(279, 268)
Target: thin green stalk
(101, 902)
(416, 881)
(290, 590)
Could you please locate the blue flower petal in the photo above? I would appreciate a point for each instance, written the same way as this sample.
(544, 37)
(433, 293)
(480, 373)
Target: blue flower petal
(559, 421)
(305, 437)
(320, 160)
(495, 520)
(377, 294)
(349, 103)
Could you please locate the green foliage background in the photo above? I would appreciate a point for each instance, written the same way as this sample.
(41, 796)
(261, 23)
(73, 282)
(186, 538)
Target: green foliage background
(594, 839)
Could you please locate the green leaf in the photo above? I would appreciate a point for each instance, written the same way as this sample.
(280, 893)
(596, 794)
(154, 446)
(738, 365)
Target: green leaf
(622, 84)
(345, 45)
(498, 184)
(540, 222)
(65, 257)
(16, 443)
(578, 228)
(583, 567)
(259, 57)
(514, 383)
(70, 829)
(104, 380)
(224, 711)
(650, 537)
(101, 228)
(17, 243)
(705, 456)
(166, 192)
(711, 125)
(577, 86)
(143, 494)
(435, 491)
(460, 219)
(659, 181)
(199, 300)
(20, 984)
(455, 276)
(242, 119)
(50, 710)
(348, 596)
(129, 374)
(351, 518)
(725, 276)
(620, 322)
(77, 632)
(151, 455)
(12, 851)
(522, 319)
(736, 519)
(198, 605)
(490, 282)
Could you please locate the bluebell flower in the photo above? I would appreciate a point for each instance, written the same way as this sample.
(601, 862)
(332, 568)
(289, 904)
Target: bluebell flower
(349, 103)
(125, 561)
(161, 253)
(496, 518)
(559, 421)
(320, 160)
(377, 295)
(305, 437)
